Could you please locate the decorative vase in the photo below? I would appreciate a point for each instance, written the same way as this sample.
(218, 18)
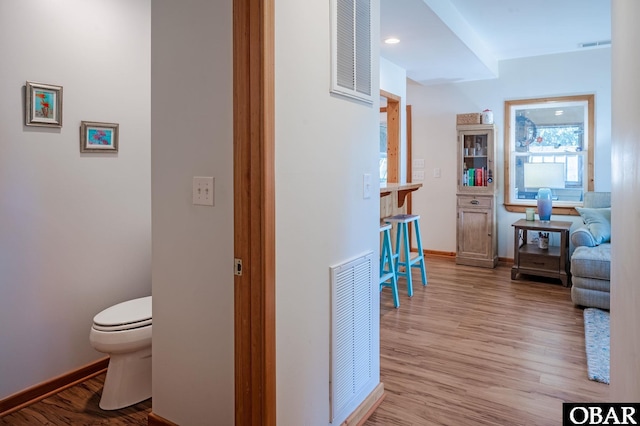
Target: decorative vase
(544, 204)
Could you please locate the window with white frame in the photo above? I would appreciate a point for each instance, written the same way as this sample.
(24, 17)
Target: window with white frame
(548, 144)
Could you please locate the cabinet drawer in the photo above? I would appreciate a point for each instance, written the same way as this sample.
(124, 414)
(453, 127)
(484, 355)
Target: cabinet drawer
(471, 201)
(533, 261)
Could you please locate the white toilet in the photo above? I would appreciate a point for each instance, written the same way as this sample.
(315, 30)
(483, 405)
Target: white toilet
(124, 332)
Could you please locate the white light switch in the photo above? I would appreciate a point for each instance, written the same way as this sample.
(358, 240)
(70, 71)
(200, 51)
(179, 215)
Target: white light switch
(203, 191)
(436, 172)
(366, 186)
(417, 175)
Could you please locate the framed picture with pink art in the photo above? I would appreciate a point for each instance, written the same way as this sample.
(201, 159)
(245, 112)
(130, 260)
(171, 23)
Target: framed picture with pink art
(43, 105)
(98, 137)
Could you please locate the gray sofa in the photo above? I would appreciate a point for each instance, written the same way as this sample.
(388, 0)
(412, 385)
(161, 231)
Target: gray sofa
(590, 246)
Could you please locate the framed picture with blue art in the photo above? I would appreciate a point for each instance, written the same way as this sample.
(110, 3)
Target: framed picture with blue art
(43, 105)
(98, 137)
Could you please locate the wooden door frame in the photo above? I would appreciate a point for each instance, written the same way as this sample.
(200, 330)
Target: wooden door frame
(393, 135)
(254, 211)
(410, 169)
(393, 142)
(409, 153)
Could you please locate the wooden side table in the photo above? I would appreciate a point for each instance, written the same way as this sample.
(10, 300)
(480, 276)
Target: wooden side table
(530, 259)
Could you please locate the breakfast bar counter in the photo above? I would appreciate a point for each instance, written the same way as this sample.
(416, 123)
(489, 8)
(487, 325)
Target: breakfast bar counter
(393, 196)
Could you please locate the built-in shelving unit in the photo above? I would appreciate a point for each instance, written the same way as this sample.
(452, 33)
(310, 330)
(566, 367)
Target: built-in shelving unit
(477, 240)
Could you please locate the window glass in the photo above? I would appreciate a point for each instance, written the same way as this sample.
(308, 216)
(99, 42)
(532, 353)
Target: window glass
(548, 143)
(383, 153)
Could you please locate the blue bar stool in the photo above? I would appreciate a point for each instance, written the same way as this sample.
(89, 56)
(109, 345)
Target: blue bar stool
(387, 266)
(402, 244)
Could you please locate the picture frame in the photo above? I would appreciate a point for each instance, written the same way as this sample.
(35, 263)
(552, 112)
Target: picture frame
(43, 105)
(98, 137)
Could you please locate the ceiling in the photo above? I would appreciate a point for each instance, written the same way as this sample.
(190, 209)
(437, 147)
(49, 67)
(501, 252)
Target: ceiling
(463, 40)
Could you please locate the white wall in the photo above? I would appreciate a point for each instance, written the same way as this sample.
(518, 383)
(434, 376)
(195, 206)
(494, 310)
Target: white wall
(324, 144)
(625, 212)
(192, 135)
(393, 79)
(75, 229)
(434, 111)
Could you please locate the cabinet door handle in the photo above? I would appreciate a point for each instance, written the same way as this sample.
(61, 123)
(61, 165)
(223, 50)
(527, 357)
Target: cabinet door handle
(475, 202)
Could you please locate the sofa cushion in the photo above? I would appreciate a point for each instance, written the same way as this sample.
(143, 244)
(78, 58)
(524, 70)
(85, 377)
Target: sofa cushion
(591, 284)
(590, 298)
(598, 222)
(592, 262)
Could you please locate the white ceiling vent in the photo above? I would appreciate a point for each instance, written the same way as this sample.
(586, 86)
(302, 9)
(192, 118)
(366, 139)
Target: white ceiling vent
(351, 49)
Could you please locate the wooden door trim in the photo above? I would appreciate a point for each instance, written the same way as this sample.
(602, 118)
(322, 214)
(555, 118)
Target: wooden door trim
(254, 211)
(390, 95)
(409, 170)
(393, 136)
(409, 152)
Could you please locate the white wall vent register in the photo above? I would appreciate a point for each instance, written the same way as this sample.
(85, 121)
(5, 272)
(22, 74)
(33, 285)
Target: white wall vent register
(351, 49)
(351, 332)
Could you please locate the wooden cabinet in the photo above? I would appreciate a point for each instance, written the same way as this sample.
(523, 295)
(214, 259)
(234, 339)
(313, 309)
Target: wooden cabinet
(477, 242)
(476, 232)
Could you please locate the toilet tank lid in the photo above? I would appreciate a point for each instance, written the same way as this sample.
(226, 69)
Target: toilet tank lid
(128, 312)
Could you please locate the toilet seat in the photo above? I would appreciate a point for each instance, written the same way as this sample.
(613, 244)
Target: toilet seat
(127, 315)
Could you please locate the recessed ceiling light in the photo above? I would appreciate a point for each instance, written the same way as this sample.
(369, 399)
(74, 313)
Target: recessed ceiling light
(392, 40)
(559, 112)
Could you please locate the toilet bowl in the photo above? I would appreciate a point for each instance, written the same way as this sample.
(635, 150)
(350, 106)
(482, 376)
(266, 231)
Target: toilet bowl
(123, 331)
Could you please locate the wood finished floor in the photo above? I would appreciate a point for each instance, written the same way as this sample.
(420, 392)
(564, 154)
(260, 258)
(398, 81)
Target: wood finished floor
(78, 406)
(475, 348)
(470, 348)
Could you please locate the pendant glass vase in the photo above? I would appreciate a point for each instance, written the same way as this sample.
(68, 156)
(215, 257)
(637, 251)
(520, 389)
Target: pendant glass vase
(544, 204)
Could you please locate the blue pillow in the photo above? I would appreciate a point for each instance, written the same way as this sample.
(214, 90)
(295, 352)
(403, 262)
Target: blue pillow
(598, 222)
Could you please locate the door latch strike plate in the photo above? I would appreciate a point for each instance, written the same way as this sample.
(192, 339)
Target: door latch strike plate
(237, 270)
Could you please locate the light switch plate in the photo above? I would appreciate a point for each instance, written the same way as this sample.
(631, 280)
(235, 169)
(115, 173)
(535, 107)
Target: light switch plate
(366, 186)
(436, 172)
(203, 191)
(418, 163)
(417, 175)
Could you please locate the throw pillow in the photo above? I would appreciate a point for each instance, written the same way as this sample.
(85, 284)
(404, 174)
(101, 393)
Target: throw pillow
(598, 222)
